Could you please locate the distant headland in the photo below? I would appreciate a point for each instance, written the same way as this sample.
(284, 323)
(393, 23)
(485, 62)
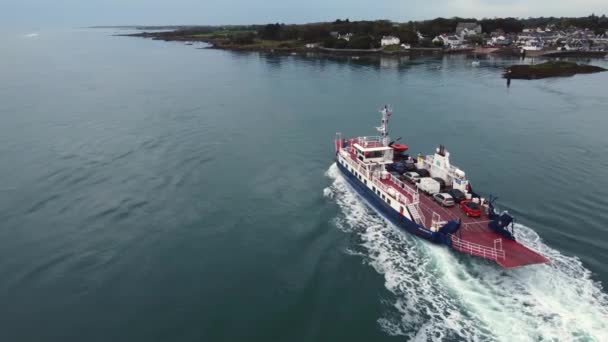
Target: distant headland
(545, 36)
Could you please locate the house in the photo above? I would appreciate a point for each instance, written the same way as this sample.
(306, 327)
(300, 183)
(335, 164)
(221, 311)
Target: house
(442, 38)
(500, 40)
(346, 36)
(389, 40)
(406, 46)
(467, 29)
(533, 45)
(451, 42)
(312, 45)
(338, 35)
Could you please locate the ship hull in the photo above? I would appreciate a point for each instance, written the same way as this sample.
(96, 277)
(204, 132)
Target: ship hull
(389, 213)
(515, 254)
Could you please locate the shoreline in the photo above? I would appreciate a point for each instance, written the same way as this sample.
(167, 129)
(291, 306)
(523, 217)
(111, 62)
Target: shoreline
(281, 47)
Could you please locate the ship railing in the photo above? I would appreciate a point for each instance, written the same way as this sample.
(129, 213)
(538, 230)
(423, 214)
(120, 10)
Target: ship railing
(364, 141)
(414, 210)
(493, 253)
(422, 219)
(398, 184)
(413, 193)
(375, 179)
(354, 163)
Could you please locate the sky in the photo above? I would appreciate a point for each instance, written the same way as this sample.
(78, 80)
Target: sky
(78, 13)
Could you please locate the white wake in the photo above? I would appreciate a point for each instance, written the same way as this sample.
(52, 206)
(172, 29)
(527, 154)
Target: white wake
(439, 295)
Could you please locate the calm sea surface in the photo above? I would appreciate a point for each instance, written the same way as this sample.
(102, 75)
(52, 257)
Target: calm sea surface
(151, 191)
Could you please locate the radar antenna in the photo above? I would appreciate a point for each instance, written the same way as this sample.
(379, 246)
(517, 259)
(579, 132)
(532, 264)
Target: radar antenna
(383, 129)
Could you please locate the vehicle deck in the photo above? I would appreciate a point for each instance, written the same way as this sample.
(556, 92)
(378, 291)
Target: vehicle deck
(474, 230)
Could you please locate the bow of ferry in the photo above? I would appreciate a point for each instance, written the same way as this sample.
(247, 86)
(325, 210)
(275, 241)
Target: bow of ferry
(365, 162)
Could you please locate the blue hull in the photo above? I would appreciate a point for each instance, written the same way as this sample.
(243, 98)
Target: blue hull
(388, 212)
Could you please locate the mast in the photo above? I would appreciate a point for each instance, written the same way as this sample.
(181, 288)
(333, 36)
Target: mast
(383, 129)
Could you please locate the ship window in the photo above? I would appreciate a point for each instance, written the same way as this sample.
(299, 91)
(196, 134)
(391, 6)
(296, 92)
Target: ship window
(388, 201)
(374, 188)
(383, 197)
(374, 154)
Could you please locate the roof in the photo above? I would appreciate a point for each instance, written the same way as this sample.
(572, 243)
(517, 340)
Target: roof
(371, 149)
(470, 26)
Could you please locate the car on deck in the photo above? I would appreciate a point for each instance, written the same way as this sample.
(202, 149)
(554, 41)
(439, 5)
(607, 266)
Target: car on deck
(411, 177)
(471, 208)
(440, 181)
(457, 195)
(444, 199)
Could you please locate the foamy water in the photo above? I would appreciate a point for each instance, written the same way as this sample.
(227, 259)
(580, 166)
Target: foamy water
(441, 295)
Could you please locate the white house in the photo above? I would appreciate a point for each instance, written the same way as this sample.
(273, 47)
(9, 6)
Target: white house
(533, 45)
(346, 36)
(449, 41)
(338, 35)
(499, 39)
(389, 40)
(468, 29)
(406, 46)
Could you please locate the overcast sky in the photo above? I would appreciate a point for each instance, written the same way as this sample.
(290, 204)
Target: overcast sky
(70, 13)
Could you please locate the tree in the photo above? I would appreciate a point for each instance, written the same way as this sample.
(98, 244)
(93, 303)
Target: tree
(407, 34)
(335, 43)
(271, 32)
(382, 28)
(360, 42)
(341, 44)
(314, 33)
(290, 32)
(243, 38)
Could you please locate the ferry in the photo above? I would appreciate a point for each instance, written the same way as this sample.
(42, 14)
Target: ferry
(429, 197)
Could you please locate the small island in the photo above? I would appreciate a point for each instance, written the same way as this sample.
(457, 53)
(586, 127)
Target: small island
(549, 69)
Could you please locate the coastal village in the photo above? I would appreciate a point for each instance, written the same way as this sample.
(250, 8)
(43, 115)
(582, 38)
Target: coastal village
(585, 36)
(469, 36)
